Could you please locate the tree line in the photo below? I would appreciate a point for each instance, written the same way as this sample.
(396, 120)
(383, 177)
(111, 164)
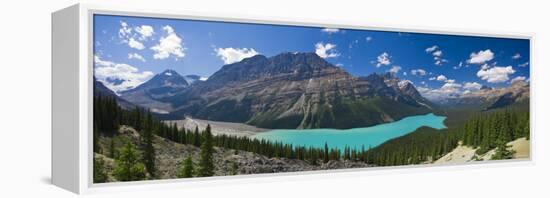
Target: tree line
(486, 130)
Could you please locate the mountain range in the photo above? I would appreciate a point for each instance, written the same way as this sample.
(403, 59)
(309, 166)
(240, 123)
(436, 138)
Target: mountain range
(291, 90)
(296, 90)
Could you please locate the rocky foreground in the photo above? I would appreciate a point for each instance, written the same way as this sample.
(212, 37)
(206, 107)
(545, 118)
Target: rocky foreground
(170, 155)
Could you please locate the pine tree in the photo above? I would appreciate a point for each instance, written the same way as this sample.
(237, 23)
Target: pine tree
(186, 169)
(325, 155)
(112, 150)
(502, 151)
(206, 163)
(234, 169)
(197, 137)
(149, 150)
(128, 167)
(99, 171)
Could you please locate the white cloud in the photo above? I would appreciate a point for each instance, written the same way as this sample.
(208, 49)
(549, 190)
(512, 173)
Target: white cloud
(231, 55)
(125, 31)
(133, 43)
(447, 90)
(432, 78)
(524, 64)
(136, 56)
(418, 72)
(481, 57)
(131, 35)
(128, 76)
(368, 39)
(518, 79)
(516, 56)
(437, 54)
(472, 86)
(495, 74)
(395, 69)
(326, 50)
(170, 44)
(145, 31)
(330, 30)
(431, 49)
(441, 78)
(383, 59)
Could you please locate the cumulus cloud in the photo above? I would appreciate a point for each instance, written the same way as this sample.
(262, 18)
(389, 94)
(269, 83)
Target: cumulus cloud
(383, 59)
(481, 57)
(119, 76)
(134, 36)
(136, 56)
(169, 45)
(518, 79)
(330, 30)
(472, 86)
(133, 43)
(395, 69)
(441, 78)
(437, 54)
(447, 90)
(231, 55)
(145, 31)
(326, 50)
(495, 74)
(418, 72)
(431, 49)
(516, 56)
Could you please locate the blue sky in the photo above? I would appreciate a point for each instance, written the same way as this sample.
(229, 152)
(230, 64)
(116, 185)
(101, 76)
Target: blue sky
(129, 50)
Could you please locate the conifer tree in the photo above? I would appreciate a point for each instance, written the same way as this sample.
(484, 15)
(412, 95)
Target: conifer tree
(186, 169)
(206, 163)
(128, 167)
(325, 155)
(149, 150)
(99, 171)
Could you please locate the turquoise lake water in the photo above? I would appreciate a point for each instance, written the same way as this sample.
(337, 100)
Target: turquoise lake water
(356, 137)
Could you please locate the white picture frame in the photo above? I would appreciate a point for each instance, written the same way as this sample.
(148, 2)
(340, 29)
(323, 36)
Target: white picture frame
(72, 92)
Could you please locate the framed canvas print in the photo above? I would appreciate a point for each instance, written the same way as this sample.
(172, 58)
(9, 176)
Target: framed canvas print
(144, 97)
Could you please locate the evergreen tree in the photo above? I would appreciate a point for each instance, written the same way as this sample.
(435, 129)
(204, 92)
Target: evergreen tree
(112, 150)
(197, 137)
(234, 169)
(502, 151)
(206, 163)
(186, 169)
(149, 150)
(128, 167)
(99, 171)
(325, 154)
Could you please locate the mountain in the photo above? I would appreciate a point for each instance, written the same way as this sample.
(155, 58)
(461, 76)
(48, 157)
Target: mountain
(296, 90)
(101, 90)
(492, 98)
(162, 85)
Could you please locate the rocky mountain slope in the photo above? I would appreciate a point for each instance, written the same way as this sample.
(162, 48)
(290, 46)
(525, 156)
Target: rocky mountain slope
(296, 90)
(170, 155)
(101, 90)
(493, 98)
(162, 85)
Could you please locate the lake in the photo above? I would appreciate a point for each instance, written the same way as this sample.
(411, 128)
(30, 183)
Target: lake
(356, 137)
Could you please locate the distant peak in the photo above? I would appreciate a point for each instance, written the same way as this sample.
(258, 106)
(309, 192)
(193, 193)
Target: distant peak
(169, 72)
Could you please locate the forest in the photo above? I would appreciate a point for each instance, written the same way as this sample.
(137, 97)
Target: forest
(486, 130)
